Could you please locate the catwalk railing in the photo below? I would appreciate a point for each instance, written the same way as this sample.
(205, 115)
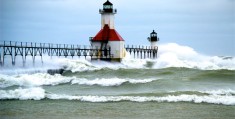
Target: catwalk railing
(143, 52)
(25, 49)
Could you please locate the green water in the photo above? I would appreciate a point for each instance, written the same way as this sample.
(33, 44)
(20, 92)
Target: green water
(168, 93)
(83, 110)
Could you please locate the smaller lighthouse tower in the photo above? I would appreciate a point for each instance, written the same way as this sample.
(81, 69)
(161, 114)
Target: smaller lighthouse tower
(153, 39)
(108, 37)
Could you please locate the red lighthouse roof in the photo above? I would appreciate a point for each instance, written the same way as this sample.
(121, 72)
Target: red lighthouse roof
(107, 34)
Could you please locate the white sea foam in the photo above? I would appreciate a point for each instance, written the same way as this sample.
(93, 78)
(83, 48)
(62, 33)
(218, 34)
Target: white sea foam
(39, 94)
(39, 79)
(82, 65)
(174, 55)
(77, 65)
(29, 67)
(170, 55)
(228, 92)
(110, 81)
(23, 94)
(30, 80)
(213, 99)
(130, 62)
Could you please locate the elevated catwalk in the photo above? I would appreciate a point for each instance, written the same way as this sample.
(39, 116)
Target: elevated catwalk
(30, 49)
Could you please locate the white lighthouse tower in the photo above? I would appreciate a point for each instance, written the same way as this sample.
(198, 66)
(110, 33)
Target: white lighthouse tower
(153, 39)
(107, 15)
(108, 37)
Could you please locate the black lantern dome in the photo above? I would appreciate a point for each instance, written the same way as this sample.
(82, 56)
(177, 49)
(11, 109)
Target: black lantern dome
(108, 8)
(153, 34)
(153, 37)
(108, 3)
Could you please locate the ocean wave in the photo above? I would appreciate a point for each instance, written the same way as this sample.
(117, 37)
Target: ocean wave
(228, 92)
(39, 94)
(29, 67)
(31, 80)
(110, 81)
(35, 93)
(80, 65)
(170, 55)
(221, 92)
(40, 79)
(85, 65)
(174, 55)
(212, 99)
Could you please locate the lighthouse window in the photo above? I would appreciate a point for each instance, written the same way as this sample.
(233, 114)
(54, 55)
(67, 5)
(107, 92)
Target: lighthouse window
(107, 7)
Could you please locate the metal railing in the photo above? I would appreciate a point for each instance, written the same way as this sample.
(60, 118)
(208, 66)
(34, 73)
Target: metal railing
(24, 49)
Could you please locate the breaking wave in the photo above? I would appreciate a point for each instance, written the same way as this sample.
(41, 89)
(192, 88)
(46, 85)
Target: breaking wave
(39, 79)
(111, 81)
(170, 55)
(213, 97)
(23, 94)
(228, 92)
(30, 80)
(174, 55)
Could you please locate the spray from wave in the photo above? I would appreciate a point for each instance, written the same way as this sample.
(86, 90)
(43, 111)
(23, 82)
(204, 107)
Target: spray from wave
(174, 55)
(170, 55)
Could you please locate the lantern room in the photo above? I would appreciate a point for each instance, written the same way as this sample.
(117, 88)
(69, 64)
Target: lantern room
(153, 39)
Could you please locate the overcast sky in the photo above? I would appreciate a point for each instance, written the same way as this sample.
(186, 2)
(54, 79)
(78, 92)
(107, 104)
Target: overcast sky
(208, 26)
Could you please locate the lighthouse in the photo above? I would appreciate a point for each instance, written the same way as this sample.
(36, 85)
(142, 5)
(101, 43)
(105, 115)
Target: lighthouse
(153, 39)
(108, 37)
